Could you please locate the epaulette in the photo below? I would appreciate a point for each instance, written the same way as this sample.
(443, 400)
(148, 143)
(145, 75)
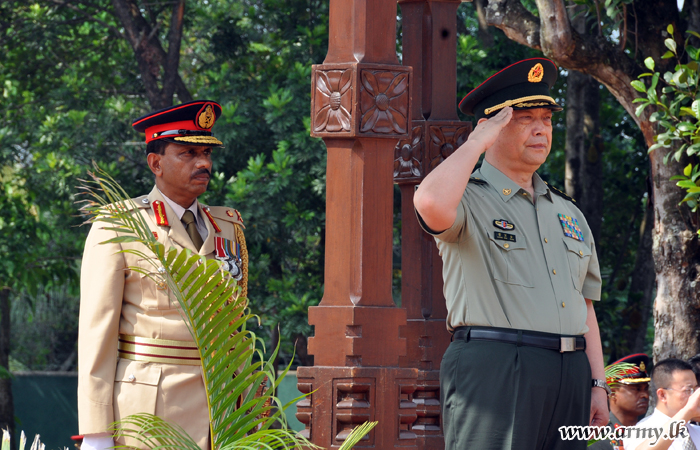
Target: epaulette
(559, 193)
(477, 180)
(225, 213)
(134, 203)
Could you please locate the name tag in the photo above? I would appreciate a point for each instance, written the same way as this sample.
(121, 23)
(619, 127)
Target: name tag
(499, 235)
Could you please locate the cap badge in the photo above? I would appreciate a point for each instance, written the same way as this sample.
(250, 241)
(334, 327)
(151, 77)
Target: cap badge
(503, 225)
(642, 367)
(536, 73)
(570, 227)
(206, 117)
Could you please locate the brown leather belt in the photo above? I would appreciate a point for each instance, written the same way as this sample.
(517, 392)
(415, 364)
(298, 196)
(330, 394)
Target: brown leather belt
(521, 337)
(158, 350)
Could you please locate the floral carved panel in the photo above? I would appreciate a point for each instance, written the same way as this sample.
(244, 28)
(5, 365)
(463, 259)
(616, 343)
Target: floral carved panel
(443, 141)
(384, 102)
(408, 156)
(333, 101)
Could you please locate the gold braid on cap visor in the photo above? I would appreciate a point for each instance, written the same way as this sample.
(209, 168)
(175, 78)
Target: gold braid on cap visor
(199, 139)
(521, 103)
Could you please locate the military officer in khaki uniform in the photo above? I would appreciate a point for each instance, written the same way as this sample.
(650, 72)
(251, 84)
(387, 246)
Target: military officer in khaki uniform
(521, 274)
(135, 351)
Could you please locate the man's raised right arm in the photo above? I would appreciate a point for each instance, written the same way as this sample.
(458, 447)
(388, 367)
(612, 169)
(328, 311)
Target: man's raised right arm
(439, 194)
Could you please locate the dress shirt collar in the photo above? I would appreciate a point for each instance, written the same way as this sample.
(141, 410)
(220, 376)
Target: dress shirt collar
(179, 210)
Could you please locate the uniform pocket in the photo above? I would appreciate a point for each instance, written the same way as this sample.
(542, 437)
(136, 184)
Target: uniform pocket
(509, 261)
(154, 291)
(135, 388)
(579, 255)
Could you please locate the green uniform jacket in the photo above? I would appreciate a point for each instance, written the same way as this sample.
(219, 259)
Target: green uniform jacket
(510, 263)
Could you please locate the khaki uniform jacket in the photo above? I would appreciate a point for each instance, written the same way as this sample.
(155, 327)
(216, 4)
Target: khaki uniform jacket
(115, 300)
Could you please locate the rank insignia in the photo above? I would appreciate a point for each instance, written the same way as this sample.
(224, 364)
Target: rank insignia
(211, 219)
(155, 235)
(570, 227)
(237, 214)
(229, 253)
(503, 225)
(503, 236)
(159, 211)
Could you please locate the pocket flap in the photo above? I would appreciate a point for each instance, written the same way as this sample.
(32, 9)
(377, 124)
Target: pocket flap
(137, 372)
(579, 248)
(505, 241)
(148, 267)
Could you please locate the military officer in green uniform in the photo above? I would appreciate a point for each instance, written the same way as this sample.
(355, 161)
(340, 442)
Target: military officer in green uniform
(521, 274)
(629, 397)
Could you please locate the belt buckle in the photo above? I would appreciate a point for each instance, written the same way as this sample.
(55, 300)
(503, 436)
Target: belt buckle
(568, 344)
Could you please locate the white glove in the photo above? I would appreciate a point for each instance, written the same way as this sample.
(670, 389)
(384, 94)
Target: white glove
(97, 442)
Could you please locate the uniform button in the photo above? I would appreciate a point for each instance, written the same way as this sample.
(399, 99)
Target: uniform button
(580, 252)
(563, 305)
(132, 378)
(554, 271)
(545, 240)
(506, 245)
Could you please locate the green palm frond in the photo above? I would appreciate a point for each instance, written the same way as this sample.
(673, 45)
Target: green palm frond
(357, 434)
(240, 383)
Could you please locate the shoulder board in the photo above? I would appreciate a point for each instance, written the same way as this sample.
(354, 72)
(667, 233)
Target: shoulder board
(227, 214)
(477, 180)
(559, 193)
(134, 203)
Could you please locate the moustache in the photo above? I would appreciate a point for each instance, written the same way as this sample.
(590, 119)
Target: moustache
(201, 172)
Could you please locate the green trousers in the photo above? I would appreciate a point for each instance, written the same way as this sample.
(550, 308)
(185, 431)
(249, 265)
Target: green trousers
(498, 396)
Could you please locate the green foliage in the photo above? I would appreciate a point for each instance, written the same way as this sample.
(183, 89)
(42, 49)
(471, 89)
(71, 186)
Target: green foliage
(674, 97)
(75, 84)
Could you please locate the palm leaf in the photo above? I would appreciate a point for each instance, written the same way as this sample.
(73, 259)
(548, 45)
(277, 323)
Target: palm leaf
(357, 434)
(240, 382)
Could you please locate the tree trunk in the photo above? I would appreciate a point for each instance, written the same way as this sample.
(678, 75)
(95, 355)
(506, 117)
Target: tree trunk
(675, 242)
(677, 258)
(155, 65)
(584, 147)
(7, 409)
(640, 294)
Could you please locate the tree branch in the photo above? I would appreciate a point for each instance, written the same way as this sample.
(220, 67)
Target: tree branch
(172, 60)
(511, 17)
(592, 55)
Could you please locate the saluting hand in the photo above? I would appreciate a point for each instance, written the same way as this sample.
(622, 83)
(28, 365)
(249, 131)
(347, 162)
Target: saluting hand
(691, 410)
(487, 130)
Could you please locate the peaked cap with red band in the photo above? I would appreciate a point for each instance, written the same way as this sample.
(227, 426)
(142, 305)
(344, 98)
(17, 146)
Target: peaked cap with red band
(186, 124)
(523, 85)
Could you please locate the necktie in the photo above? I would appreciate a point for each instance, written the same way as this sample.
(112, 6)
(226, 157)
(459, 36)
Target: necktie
(689, 445)
(191, 228)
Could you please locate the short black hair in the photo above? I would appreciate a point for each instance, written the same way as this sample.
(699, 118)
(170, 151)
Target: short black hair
(695, 363)
(664, 370)
(156, 146)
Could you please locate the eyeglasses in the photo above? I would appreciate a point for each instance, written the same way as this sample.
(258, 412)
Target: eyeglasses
(687, 392)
